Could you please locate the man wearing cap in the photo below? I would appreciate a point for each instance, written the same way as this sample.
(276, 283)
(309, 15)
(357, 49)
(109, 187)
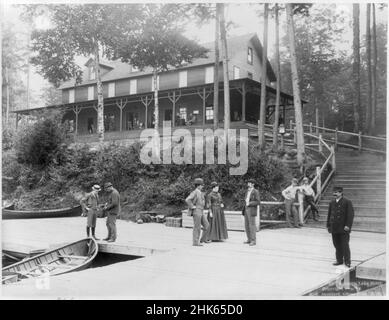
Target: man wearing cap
(89, 205)
(196, 204)
(339, 222)
(252, 201)
(112, 208)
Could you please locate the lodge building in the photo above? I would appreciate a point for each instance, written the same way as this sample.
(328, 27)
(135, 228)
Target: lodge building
(185, 93)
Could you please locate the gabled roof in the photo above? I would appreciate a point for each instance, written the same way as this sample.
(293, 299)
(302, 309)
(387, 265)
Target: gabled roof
(120, 70)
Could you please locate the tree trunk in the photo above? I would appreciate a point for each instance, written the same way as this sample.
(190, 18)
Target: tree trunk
(374, 76)
(225, 71)
(216, 71)
(368, 62)
(7, 96)
(278, 84)
(356, 69)
(100, 98)
(296, 88)
(262, 108)
(156, 102)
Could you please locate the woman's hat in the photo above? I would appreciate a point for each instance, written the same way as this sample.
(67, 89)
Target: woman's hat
(251, 181)
(96, 187)
(214, 184)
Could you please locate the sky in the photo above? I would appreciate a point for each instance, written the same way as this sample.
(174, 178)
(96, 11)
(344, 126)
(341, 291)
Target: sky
(243, 15)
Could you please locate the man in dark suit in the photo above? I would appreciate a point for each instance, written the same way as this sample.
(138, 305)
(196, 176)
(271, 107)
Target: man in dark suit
(112, 208)
(252, 201)
(339, 222)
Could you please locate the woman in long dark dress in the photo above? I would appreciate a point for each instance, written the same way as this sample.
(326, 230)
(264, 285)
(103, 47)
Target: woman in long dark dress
(217, 220)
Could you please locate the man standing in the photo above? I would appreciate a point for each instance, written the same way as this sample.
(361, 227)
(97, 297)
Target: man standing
(89, 205)
(252, 201)
(112, 208)
(339, 222)
(196, 204)
(290, 194)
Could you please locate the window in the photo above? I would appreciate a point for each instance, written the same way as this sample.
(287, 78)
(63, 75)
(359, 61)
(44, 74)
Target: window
(209, 74)
(152, 83)
(250, 55)
(249, 75)
(183, 79)
(209, 113)
(134, 69)
(92, 73)
(71, 95)
(236, 72)
(90, 93)
(133, 86)
(111, 89)
(183, 113)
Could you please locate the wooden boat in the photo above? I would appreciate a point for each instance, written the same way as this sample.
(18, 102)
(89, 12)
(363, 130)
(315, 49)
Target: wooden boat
(36, 214)
(75, 256)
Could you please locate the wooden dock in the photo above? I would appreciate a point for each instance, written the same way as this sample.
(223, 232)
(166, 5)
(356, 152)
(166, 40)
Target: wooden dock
(284, 264)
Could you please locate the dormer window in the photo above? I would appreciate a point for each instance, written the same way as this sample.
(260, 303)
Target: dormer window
(250, 55)
(92, 73)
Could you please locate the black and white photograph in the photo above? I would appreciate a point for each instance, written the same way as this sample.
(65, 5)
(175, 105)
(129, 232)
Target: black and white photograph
(193, 151)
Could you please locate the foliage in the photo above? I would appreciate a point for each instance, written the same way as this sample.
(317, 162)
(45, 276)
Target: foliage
(77, 30)
(38, 142)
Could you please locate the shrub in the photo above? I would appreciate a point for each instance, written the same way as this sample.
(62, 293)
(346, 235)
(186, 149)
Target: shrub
(38, 142)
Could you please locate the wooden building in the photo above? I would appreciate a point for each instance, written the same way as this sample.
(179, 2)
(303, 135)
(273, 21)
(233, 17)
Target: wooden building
(185, 93)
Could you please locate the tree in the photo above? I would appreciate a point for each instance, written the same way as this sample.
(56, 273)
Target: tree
(225, 70)
(160, 45)
(356, 68)
(86, 30)
(368, 63)
(13, 63)
(296, 88)
(278, 76)
(374, 74)
(262, 109)
(216, 72)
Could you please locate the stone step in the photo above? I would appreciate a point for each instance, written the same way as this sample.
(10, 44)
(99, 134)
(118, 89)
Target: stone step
(360, 198)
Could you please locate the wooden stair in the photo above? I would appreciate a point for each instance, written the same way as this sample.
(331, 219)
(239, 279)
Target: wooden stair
(363, 178)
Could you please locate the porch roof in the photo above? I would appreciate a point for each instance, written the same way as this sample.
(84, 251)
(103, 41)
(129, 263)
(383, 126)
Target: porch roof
(234, 84)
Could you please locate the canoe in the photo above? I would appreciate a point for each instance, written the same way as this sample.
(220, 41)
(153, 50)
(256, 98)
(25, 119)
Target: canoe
(36, 214)
(72, 257)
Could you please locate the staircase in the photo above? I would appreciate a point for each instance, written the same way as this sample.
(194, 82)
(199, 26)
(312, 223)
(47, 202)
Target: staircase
(363, 178)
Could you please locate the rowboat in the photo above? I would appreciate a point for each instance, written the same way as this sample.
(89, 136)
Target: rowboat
(36, 214)
(75, 256)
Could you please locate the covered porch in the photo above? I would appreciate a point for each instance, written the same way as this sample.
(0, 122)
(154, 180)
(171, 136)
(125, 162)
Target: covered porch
(126, 116)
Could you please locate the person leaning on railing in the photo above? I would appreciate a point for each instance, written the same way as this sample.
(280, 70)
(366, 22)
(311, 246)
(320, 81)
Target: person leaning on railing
(309, 197)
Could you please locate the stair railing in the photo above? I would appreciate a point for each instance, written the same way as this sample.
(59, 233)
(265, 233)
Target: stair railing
(356, 141)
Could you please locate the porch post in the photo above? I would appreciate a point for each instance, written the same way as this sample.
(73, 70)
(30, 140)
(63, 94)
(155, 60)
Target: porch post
(174, 110)
(243, 101)
(204, 97)
(146, 101)
(76, 110)
(17, 120)
(121, 106)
